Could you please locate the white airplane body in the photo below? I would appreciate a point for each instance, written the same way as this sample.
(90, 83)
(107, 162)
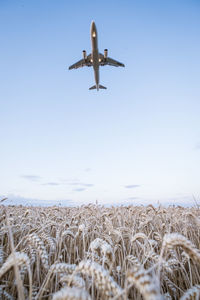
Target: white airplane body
(95, 59)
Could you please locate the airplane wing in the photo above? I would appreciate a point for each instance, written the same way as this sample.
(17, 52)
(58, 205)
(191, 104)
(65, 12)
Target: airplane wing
(112, 62)
(82, 63)
(109, 61)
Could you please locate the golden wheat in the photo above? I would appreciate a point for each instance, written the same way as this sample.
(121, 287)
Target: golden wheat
(103, 281)
(100, 253)
(175, 240)
(192, 294)
(68, 293)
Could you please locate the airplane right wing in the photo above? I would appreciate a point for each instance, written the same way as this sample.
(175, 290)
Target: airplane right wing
(109, 61)
(82, 63)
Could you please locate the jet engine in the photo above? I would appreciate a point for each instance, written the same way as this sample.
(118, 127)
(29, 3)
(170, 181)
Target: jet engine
(105, 53)
(84, 55)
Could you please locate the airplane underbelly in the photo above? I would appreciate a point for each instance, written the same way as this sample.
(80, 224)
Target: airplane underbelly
(96, 75)
(95, 58)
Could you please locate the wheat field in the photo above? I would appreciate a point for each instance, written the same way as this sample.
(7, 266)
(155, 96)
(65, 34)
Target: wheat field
(94, 252)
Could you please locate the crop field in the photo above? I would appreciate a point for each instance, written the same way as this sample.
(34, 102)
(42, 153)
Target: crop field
(94, 252)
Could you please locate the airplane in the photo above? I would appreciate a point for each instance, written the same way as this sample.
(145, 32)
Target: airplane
(95, 59)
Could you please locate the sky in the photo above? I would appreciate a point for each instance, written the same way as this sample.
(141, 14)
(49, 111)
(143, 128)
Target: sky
(138, 142)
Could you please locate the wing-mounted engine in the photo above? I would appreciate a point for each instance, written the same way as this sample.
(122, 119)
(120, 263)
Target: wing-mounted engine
(84, 55)
(105, 53)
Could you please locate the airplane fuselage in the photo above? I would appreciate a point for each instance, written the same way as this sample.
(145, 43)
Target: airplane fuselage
(95, 53)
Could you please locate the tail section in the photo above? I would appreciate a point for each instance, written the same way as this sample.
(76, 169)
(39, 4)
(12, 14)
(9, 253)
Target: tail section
(93, 87)
(98, 87)
(102, 87)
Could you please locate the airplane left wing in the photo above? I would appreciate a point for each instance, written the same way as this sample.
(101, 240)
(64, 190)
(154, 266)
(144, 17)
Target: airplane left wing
(109, 61)
(82, 63)
(78, 64)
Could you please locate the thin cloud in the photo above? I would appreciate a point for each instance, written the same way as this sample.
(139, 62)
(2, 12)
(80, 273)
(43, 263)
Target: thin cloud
(79, 190)
(81, 184)
(72, 182)
(31, 177)
(51, 183)
(131, 186)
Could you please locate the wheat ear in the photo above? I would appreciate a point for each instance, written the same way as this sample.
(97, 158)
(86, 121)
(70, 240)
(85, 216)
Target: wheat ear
(38, 244)
(167, 296)
(102, 280)
(102, 246)
(144, 283)
(73, 280)
(192, 294)
(73, 293)
(174, 239)
(19, 258)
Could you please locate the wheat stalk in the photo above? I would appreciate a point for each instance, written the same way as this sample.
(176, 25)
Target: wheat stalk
(6, 295)
(1, 255)
(56, 268)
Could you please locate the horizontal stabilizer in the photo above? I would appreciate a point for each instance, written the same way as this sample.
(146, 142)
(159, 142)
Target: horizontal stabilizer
(102, 87)
(95, 87)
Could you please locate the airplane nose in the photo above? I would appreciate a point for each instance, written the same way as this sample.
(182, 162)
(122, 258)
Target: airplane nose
(93, 26)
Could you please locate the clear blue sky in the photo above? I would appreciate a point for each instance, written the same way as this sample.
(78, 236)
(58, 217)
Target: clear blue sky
(139, 140)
